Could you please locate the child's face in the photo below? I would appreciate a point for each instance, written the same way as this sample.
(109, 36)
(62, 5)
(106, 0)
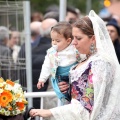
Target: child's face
(59, 41)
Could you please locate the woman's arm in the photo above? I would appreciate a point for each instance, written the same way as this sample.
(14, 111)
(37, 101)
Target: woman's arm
(40, 112)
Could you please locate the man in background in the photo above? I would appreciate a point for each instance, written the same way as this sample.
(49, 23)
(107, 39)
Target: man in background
(39, 45)
(6, 60)
(114, 31)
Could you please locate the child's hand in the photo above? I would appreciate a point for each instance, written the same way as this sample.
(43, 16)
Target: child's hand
(40, 84)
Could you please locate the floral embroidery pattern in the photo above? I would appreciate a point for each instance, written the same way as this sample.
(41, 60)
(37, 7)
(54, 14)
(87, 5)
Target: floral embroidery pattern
(53, 55)
(83, 90)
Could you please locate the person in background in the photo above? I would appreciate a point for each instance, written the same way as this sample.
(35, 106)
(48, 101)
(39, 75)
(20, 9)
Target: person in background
(6, 60)
(39, 48)
(46, 27)
(13, 43)
(35, 40)
(114, 31)
(35, 32)
(95, 81)
(72, 14)
(37, 16)
(52, 14)
(38, 55)
(52, 11)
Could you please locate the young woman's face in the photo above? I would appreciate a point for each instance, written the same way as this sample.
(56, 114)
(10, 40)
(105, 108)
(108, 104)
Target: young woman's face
(81, 41)
(59, 41)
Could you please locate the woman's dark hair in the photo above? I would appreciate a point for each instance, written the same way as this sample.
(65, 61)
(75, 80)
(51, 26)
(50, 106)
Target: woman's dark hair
(63, 28)
(85, 25)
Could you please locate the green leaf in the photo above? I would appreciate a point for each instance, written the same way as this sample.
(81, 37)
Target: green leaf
(17, 81)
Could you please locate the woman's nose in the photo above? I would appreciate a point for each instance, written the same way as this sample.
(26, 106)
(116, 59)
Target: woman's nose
(73, 41)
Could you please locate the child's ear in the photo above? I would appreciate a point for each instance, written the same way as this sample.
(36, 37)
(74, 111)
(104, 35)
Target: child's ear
(69, 40)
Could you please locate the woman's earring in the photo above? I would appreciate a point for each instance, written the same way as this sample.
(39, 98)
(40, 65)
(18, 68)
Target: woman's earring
(92, 48)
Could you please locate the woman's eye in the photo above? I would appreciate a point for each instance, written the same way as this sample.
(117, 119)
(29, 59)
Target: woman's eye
(78, 38)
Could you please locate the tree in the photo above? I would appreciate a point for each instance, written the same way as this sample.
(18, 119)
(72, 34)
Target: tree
(41, 5)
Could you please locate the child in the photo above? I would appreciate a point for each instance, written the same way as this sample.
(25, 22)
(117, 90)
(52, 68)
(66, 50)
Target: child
(59, 59)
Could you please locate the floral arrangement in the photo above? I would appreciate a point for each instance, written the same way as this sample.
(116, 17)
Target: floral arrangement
(12, 100)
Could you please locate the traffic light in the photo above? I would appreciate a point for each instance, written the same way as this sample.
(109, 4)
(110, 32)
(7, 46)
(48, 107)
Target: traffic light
(107, 3)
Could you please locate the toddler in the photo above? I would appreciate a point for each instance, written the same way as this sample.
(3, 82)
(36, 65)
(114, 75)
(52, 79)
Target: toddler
(59, 59)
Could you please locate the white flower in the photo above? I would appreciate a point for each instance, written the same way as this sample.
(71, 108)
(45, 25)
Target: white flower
(16, 88)
(7, 113)
(14, 112)
(18, 111)
(1, 90)
(8, 87)
(2, 111)
(1, 84)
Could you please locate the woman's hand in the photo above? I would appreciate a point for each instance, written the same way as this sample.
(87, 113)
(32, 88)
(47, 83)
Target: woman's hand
(40, 112)
(63, 86)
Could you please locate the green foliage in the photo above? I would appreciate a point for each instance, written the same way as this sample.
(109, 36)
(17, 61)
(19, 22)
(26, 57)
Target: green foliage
(41, 5)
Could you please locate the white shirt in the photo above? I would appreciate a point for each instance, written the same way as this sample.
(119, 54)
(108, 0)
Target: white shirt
(65, 57)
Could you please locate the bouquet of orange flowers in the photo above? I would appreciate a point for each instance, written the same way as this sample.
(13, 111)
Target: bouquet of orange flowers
(12, 100)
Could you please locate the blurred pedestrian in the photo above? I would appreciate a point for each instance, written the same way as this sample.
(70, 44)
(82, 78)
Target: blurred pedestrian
(5, 54)
(72, 14)
(13, 43)
(37, 16)
(114, 31)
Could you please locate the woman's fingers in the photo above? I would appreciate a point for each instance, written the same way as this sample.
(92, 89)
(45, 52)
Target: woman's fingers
(34, 112)
(63, 86)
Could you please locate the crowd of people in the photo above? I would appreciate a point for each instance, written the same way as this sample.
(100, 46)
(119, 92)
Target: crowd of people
(81, 57)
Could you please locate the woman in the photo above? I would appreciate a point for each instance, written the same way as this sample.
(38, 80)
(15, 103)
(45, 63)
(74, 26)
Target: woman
(95, 81)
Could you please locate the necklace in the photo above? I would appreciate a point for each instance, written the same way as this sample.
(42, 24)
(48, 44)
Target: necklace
(85, 57)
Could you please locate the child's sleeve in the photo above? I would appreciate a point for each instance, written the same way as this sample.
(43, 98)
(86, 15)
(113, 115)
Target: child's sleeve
(45, 71)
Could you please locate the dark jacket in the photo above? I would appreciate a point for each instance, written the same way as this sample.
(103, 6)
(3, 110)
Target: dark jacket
(38, 55)
(6, 62)
(117, 49)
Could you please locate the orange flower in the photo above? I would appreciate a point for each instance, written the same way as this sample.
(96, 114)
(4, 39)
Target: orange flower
(10, 108)
(5, 98)
(20, 105)
(10, 82)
